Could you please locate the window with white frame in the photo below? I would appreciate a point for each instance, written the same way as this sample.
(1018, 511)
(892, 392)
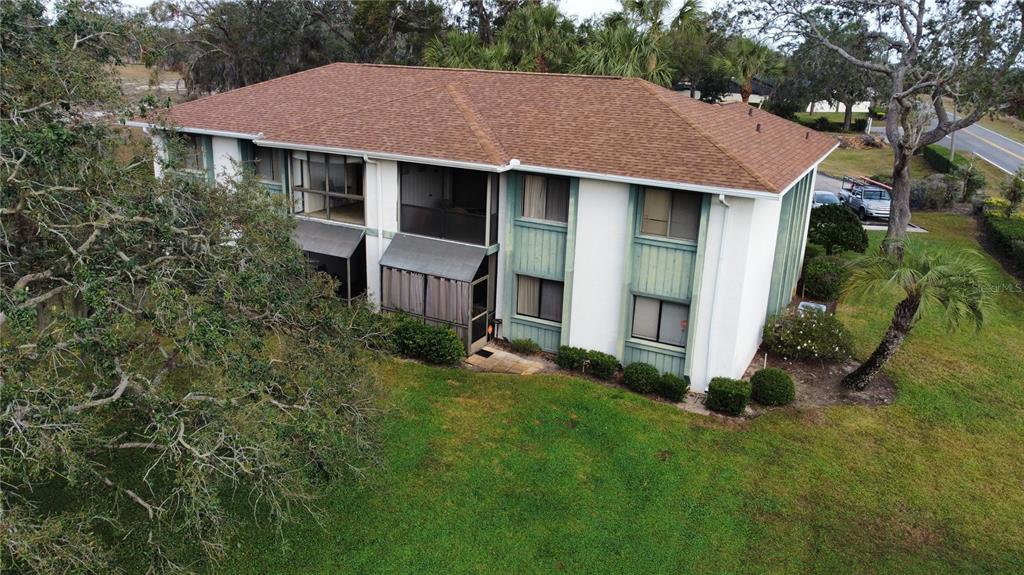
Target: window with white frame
(328, 186)
(671, 214)
(546, 198)
(661, 321)
(539, 298)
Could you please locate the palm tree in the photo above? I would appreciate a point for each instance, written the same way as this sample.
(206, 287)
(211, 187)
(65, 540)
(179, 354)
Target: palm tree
(619, 49)
(950, 284)
(746, 59)
(540, 38)
(455, 50)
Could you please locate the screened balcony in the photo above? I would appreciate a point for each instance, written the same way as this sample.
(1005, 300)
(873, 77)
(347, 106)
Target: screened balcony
(328, 186)
(449, 203)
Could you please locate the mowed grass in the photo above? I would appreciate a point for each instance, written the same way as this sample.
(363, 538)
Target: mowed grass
(489, 473)
(830, 116)
(868, 162)
(1008, 126)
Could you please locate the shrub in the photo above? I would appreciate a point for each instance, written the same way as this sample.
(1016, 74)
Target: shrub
(641, 377)
(934, 192)
(837, 228)
(601, 365)
(824, 278)
(772, 386)
(1007, 234)
(822, 124)
(859, 125)
(672, 387)
(571, 358)
(525, 346)
(438, 345)
(729, 396)
(812, 251)
(937, 157)
(810, 335)
(971, 179)
(596, 363)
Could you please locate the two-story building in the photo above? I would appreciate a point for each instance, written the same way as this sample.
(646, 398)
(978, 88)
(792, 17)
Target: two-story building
(601, 212)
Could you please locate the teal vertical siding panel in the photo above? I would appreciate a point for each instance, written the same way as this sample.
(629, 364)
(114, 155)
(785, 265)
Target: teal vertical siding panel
(789, 241)
(666, 362)
(539, 251)
(211, 175)
(663, 271)
(547, 337)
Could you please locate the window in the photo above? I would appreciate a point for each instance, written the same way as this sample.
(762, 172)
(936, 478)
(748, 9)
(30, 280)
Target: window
(539, 298)
(660, 321)
(328, 186)
(194, 152)
(268, 164)
(444, 203)
(671, 213)
(546, 198)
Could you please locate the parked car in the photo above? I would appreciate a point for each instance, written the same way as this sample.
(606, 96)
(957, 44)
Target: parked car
(823, 198)
(869, 202)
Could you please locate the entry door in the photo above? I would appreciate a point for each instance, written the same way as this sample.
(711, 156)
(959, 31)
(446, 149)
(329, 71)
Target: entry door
(481, 324)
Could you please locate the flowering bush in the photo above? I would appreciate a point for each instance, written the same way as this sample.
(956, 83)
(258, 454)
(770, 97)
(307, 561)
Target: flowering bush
(811, 335)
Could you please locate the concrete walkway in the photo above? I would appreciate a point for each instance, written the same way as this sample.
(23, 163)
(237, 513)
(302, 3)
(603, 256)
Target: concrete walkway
(501, 361)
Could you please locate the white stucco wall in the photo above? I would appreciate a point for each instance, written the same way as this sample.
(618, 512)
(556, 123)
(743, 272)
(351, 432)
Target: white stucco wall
(734, 287)
(226, 159)
(599, 280)
(381, 218)
(499, 294)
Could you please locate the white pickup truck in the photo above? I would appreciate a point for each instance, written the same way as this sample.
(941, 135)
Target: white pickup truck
(867, 198)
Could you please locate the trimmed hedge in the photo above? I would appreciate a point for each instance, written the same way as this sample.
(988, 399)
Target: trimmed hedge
(824, 277)
(525, 346)
(808, 335)
(937, 157)
(438, 345)
(672, 387)
(728, 396)
(836, 228)
(772, 386)
(823, 124)
(596, 363)
(641, 377)
(1007, 234)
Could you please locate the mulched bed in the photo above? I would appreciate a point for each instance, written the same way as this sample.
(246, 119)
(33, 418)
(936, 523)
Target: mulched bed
(819, 384)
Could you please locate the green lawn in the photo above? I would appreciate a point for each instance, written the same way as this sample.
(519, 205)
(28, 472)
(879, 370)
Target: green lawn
(868, 162)
(831, 116)
(545, 474)
(1008, 126)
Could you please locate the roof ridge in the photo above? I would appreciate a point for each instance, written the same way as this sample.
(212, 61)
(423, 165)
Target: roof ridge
(484, 71)
(483, 132)
(652, 89)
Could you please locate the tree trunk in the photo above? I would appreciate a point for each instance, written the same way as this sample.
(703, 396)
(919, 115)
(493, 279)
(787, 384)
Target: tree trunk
(745, 90)
(902, 321)
(848, 116)
(899, 207)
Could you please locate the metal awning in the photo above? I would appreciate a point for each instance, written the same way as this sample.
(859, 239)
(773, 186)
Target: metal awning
(434, 257)
(338, 241)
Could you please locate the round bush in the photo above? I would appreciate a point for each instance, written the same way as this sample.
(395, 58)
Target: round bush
(641, 377)
(601, 365)
(672, 387)
(571, 358)
(728, 396)
(808, 335)
(813, 251)
(836, 228)
(439, 345)
(824, 278)
(772, 386)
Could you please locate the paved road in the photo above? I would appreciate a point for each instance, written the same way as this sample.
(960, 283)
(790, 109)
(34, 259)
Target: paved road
(996, 149)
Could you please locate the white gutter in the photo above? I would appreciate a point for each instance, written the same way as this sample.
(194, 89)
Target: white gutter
(718, 275)
(513, 164)
(200, 131)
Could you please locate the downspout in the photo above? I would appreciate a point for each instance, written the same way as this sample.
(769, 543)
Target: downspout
(718, 275)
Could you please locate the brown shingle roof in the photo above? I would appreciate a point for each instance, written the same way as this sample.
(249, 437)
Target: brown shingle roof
(605, 125)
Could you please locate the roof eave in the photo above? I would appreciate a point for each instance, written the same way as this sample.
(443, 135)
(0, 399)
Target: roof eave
(188, 130)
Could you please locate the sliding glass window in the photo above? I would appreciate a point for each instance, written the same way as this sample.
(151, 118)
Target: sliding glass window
(546, 198)
(671, 213)
(661, 321)
(539, 298)
(328, 186)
